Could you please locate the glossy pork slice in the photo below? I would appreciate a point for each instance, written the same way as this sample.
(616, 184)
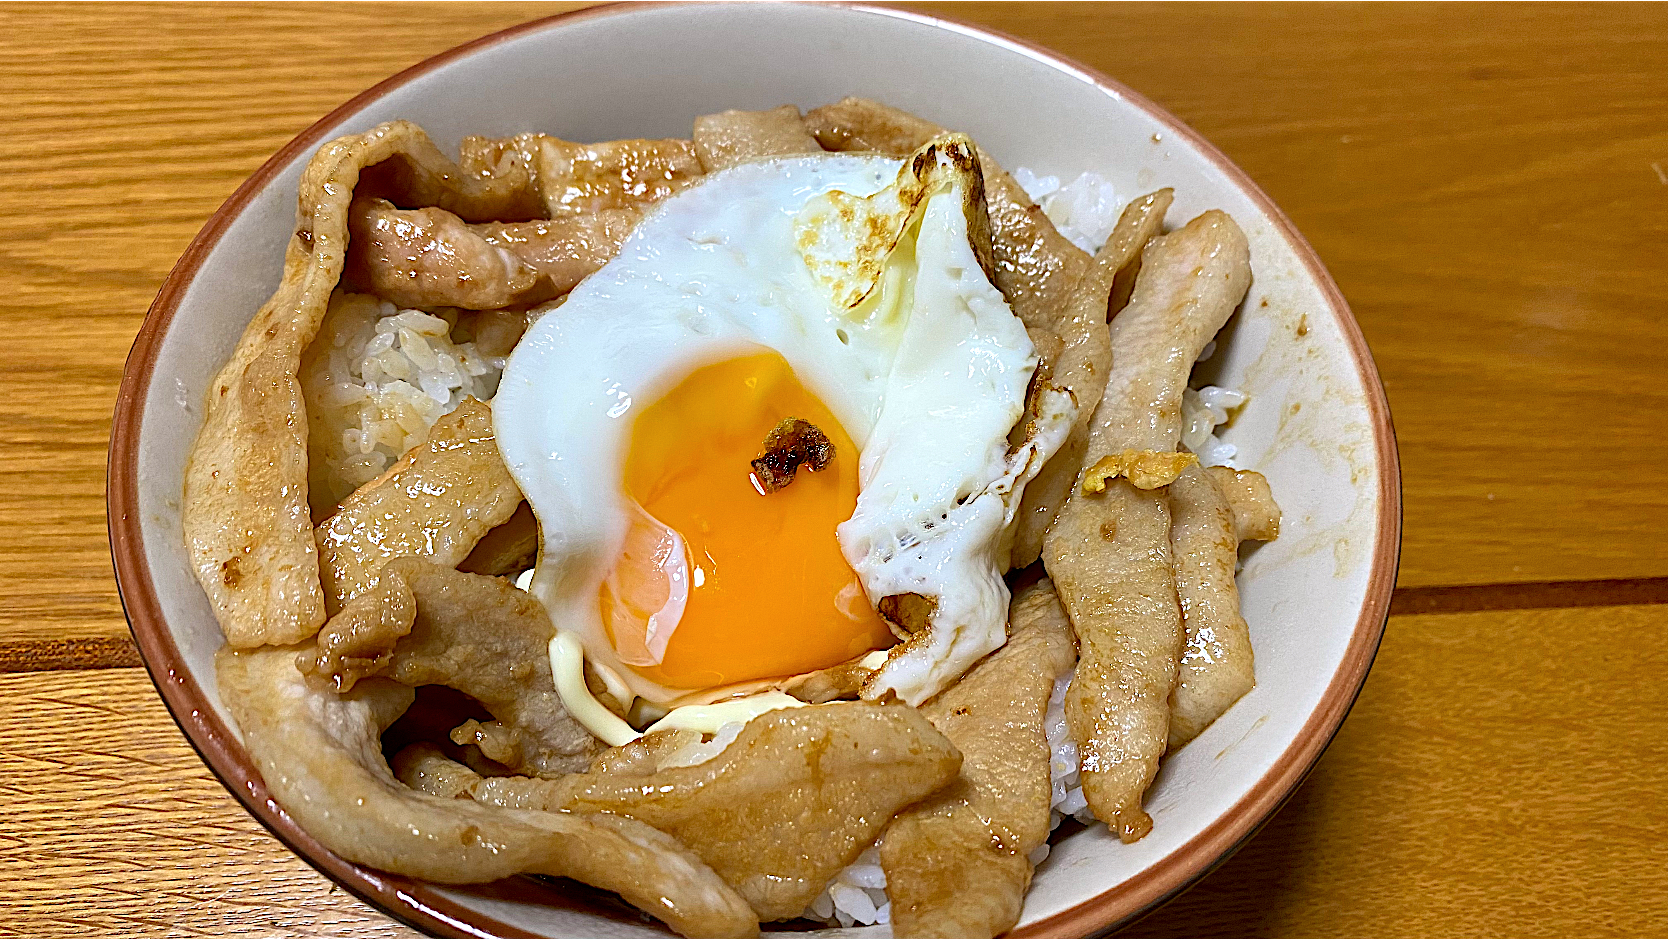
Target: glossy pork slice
(437, 503)
(1256, 515)
(563, 252)
(727, 138)
(562, 179)
(248, 526)
(424, 624)
(786, 806)
(862, 124)
(1082, 366)
(1109, 551)
(319, 754)
(578, 179)
(425, 768)
(1217, 666)
(958, 864)
(430, 258)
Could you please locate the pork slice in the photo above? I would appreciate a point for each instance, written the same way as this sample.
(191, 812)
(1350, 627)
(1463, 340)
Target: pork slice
(429, 258)
(578, 179)
(781, 810)
(732, 137)
(437, 503)
(958, 864)
(424, 624)
(1109, 551)
(1217, 666)
(1082, 366)
(320, 756)
(1256, 515)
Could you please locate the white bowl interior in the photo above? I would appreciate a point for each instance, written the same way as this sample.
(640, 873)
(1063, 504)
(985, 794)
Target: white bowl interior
(649, 72)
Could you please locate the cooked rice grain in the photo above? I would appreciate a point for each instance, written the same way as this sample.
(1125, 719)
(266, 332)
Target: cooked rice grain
(1085, 210)
(1067, 798)
(1203, 410)
(375, 380)
(857, 895)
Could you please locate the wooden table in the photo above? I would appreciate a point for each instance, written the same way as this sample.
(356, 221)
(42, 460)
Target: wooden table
(1489, 185)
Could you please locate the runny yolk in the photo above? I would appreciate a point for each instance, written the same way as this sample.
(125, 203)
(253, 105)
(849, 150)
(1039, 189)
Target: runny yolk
(748, 585)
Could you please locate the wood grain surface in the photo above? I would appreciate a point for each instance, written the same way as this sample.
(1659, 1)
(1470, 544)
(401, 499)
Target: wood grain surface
(113, 827)
(1483, 786)
(1488, 184)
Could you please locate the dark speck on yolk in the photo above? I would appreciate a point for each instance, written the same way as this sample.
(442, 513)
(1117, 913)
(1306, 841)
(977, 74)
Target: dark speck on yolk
(769, 593)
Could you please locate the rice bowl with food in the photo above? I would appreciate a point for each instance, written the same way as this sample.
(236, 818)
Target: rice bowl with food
(783, 503)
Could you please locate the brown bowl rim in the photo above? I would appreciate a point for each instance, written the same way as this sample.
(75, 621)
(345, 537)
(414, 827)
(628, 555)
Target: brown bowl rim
(420, 904)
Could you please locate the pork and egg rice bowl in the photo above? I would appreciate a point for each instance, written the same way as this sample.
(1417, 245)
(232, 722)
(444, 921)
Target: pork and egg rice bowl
(791, 522)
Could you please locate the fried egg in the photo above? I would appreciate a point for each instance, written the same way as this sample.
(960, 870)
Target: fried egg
(839, 289)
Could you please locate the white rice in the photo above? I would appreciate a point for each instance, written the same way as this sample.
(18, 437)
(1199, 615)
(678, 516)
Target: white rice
(1203, 410)
(1085, 210)
(375, 380)
(857, 896)
(1068, 796)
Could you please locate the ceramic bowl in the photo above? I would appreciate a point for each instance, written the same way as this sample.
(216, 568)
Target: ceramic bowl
(1316, 424)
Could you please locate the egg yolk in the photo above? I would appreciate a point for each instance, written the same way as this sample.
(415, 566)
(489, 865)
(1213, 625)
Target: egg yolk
(719, 581)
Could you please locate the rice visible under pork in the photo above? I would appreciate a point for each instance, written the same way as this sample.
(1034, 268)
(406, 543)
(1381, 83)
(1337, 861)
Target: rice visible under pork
(375, 380)
(1085, 210)
(1203, 410)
